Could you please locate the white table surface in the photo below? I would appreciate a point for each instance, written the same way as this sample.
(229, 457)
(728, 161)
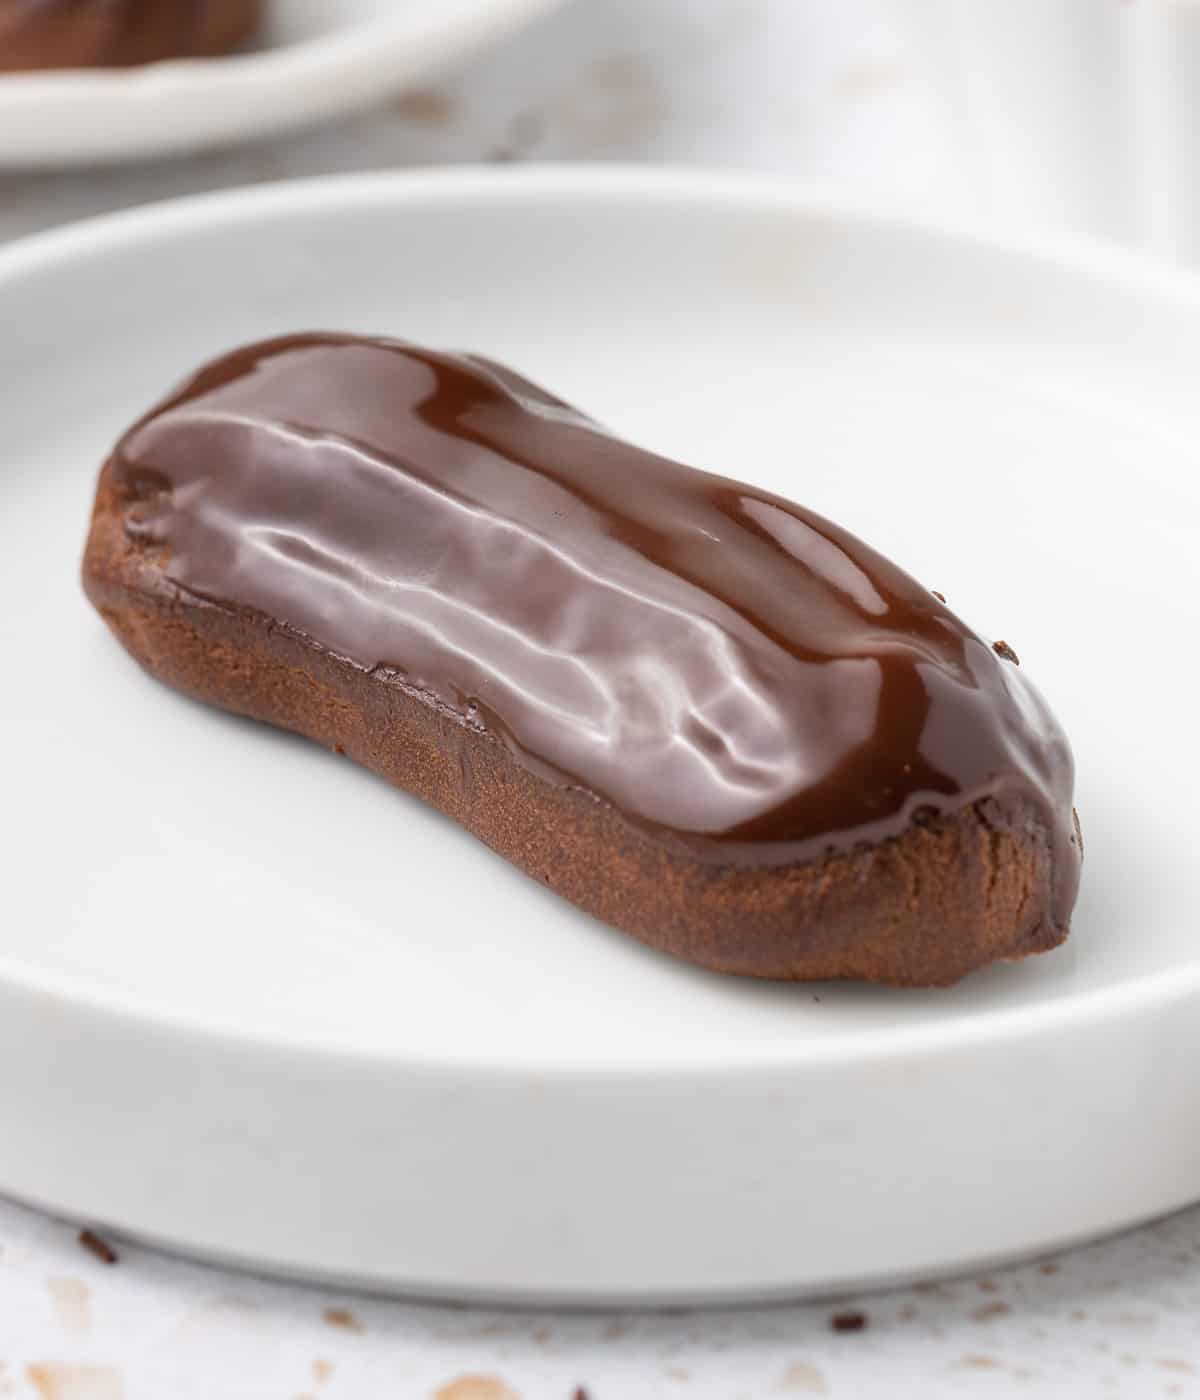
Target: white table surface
(817, 89)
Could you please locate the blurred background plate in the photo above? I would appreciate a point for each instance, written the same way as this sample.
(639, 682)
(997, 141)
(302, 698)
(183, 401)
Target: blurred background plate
(316, 59)
(258, 1005)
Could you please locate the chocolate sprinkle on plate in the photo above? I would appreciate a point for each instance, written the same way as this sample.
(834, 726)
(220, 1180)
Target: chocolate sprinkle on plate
(100, 1248)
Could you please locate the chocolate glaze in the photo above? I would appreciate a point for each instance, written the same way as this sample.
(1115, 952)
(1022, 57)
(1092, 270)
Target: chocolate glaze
(726, 668)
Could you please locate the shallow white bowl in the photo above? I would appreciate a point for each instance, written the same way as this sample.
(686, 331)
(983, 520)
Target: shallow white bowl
(317, 59)
(257, 1005)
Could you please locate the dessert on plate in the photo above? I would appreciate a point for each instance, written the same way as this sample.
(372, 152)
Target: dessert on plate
(696, 710)
(120, 33)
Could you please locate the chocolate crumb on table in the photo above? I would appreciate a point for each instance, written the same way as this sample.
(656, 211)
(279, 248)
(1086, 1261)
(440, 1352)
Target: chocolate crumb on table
(100, 1248)
(580, 1394)
(848, 1321)
(343, 1319)
(1003, 649)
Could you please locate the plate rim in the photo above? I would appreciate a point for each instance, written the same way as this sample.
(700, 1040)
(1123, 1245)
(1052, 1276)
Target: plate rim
(983, 1030)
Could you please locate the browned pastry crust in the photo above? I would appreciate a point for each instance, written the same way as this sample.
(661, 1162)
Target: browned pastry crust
(949, 895)
(37, 34)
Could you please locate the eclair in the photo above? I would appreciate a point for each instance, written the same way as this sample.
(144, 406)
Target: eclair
(696, 710)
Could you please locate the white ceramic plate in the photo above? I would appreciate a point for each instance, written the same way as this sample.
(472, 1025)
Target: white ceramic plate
(316, 59)
(257, 1005)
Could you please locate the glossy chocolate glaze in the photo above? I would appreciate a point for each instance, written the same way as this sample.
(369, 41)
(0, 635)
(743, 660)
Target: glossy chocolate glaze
(726, 668)
(106, 33)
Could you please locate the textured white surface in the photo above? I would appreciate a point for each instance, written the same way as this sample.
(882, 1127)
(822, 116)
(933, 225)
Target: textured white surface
(813, 87)
(1115, 1319)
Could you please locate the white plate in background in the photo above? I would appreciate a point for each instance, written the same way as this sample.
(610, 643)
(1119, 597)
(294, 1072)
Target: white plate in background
(257, 1005)
(316, 59)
